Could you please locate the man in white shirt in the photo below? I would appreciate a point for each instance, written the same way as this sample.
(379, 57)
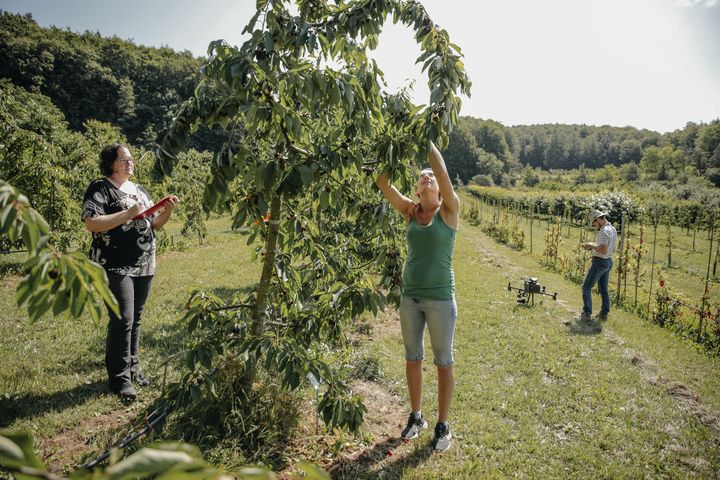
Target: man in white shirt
(602, 249)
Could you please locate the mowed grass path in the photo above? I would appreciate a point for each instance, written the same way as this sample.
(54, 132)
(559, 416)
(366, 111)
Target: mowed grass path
(532, 399)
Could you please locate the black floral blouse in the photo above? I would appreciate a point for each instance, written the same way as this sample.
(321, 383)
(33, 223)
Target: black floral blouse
(128, 249)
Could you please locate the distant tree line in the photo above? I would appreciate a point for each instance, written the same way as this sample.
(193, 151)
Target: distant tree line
(89, 77)
(490, 153)
(137, 89)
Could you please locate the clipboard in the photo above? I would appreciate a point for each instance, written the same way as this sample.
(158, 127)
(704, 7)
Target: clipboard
(152, 210)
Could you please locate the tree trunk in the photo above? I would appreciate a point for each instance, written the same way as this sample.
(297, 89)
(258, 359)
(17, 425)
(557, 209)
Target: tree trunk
(652, 269)
(622, 267)
(260, 313)
(701, 326)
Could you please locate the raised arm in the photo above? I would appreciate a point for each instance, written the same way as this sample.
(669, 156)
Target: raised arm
(451, 202)
(401, 203)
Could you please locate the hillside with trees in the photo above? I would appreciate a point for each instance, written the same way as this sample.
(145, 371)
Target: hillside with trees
(504, 154)
(87, 76)
(137, 89)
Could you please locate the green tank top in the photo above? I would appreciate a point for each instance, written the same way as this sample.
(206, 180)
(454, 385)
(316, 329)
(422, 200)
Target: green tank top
(428, 269)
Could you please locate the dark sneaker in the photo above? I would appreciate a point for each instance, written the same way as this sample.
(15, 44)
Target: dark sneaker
(602, 317)
(441, 442)
(585, 317)
(414, 425)
(140, 379)
(127, 393)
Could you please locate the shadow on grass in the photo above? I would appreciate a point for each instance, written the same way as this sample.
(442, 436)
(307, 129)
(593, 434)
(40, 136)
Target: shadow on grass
(11, 268)
(169, 338)
(231, 294)
(163, 340)
(363, 465)
(31, 405)
(585, 329)
(88, 366)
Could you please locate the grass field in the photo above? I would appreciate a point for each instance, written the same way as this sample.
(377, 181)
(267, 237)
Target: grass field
(532, 399)
(685, 274)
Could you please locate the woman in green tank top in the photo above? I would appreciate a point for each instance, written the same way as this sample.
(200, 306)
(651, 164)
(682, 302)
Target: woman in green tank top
(428, 288)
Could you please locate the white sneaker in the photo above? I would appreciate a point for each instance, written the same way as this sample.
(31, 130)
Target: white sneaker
(414, 425)
(441, 442)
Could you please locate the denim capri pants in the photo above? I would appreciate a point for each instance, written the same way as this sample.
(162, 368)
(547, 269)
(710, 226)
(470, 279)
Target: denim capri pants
(440, 316)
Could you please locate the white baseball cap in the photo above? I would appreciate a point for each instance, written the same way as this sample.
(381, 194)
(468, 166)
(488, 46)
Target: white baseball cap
(595, 214)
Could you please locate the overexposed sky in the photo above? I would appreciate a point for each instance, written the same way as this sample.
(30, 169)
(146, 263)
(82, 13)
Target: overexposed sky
(646, 63)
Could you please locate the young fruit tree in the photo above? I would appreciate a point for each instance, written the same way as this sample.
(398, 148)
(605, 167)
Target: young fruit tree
(309, 125)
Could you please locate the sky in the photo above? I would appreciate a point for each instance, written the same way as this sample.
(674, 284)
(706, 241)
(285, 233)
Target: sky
(651, 64)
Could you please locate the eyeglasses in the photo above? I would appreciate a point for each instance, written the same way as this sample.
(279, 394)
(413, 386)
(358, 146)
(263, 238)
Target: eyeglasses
(125, 160)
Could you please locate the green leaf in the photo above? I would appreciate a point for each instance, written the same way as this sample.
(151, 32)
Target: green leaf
(94, 309)
(39, 305)
(149, 461)
(301, 68)
(190, 359)
(16, 450)
(349, 97)
(324, 199)
(313, 472)
(306, 174)
(11, 455)
(268, 41)
(195, 393)
(211, 386)
(30, 237)
(79, 295)
(334, 92)
(268, 176)
(7, 217)
(23, 292)
(205, 358)
(61, 303)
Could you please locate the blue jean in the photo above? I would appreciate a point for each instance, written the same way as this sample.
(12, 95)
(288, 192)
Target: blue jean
(599, 273)
(440, 316)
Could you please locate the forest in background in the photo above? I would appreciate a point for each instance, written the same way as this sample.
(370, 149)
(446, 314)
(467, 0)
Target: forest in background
(63, 95)
(506, 156)
(90, 77)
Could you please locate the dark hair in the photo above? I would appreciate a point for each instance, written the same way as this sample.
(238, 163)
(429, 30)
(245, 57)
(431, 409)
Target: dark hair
(108, 155)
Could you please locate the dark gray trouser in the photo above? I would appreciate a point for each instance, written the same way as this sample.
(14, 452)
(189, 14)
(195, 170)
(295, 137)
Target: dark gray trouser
(122, 350)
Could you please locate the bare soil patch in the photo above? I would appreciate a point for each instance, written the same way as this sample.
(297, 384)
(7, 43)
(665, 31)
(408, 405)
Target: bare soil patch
(62, 452)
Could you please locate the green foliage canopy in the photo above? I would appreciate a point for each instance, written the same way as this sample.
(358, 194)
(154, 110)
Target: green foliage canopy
(308, 126)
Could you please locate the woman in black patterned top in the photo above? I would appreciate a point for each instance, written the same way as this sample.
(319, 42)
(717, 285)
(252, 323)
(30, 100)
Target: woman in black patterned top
(126, 249)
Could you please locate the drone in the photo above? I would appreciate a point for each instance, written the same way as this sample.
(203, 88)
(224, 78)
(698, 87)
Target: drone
(526, 293)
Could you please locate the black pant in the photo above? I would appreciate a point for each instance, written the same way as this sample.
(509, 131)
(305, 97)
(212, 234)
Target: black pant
(122, 352)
